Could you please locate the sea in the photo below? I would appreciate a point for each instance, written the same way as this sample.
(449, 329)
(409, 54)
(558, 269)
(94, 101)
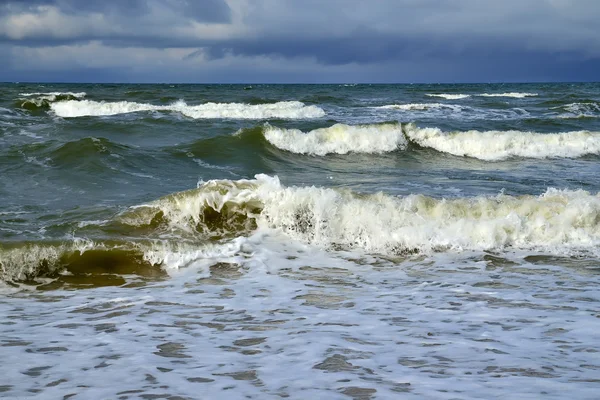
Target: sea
(410, 241)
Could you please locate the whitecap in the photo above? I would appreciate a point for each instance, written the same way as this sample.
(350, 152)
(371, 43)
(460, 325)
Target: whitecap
(499, 145)
(558, 221)
(284, 109)
(338, 139)
(516, 95)
(449, 96)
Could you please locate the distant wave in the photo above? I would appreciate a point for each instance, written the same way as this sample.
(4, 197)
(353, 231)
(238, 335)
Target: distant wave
(421, 107)
(450, 96)
(588, 109)
(284, 109)
(338, 139)
(54, 95)
(516, 95)
(499, 145)
(389, 137)
(39, 100)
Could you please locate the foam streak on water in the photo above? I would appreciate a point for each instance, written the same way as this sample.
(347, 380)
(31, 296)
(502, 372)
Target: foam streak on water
(325, 327)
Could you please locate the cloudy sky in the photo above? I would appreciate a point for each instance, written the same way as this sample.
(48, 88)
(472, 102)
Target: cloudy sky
(300, 40)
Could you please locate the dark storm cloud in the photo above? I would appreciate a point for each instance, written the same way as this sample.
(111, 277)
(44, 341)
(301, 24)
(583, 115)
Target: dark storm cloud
(443, 39)
(362, 47)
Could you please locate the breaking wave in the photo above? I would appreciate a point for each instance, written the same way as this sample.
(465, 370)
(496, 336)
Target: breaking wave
(98, 263)
(515, 95)
(499, 145)
(284, 109)
(393, 136)
(54, 95)
(338, 139)
(42, 101)
(558, 220)
(212, 221)
(450, 96)
(579, 110)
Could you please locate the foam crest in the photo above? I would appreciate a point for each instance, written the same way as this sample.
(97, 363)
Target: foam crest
(450, 96)
(579, 110)
(284, 109)
(516, 95)
(39, 100)
(557, 221)
(31, 260)
(51, 96)
(39, 262)
(338, 139)
(499, 145)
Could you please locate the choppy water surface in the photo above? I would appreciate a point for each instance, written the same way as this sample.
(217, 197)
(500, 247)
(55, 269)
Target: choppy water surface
(301, 241)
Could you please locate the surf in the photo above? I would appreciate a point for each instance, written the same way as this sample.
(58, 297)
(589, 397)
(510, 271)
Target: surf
(338, 139)
(501, 145)
(282, 109)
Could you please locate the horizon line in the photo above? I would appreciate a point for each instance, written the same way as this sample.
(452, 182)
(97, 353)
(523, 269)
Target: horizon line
(292, 83)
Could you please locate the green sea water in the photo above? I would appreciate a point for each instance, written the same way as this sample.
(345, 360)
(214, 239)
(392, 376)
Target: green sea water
(326, 241)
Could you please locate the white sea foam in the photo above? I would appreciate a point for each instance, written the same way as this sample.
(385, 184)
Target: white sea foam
(579, 110)
(558, 221)
(450, 96)
(55, 94)
(455, 111)
(284, 109)
(24, 262)
(499, 145)
(28, 261)
(422, 107)
(471, 326)
(338, 139)
(515, 95)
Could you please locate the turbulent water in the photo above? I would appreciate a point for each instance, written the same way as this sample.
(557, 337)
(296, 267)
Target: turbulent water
(302, 241)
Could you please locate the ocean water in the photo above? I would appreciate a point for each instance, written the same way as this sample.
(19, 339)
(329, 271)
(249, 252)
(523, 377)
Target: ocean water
(300, 241)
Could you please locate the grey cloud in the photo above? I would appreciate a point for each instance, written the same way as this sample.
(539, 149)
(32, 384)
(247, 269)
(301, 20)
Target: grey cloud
(471, 39)
(213, 11)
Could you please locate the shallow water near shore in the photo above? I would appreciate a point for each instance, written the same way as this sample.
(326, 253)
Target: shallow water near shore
(299, 241)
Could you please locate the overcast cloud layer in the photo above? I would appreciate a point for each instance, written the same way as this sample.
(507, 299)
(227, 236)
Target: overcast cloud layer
(300, 40)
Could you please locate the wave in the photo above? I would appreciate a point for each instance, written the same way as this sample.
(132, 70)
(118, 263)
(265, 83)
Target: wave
(450, 96)
(41, 101)
(86, 151)
(80, 153)
(338, 139)
(558, 220)
(393, 136)
(515, 95)
(283, 109)
(86, 262)
(499, 145)
(579, 110)
(55, 95)
(215, 220)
